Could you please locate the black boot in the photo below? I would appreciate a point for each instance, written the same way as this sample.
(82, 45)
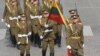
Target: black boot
(27, 54)
(21, 54)
(43, 53)
(51, 54)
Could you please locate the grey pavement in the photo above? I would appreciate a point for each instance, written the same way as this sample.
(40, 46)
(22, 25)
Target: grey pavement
(89, 11)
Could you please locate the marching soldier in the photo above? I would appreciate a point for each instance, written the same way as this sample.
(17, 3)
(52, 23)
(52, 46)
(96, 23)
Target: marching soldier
(75, 38)
(47, 33)
(58, 27)
(11, 16)
(47, 4)
(23, 33)
(34, 14)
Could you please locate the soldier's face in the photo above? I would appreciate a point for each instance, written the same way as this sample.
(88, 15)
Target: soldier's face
(14, 2)
(23, 18)
(73, 13)
(76, 20)
(50, 0)
(56, 0)
(34, 2)
(46, 14)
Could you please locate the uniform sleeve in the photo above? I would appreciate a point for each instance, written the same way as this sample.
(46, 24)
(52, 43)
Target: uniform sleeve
(17, 32)
(40, 31)
(4, 14)
(29, 27)
(80, 29)
(82, 37)
(68, 34)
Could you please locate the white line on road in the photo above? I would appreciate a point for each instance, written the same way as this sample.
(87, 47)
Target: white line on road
(87, 31)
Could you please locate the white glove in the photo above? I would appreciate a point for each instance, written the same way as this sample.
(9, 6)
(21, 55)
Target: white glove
(31, 16)
(18, 43)
(46, 25)
(19, 17)
(29, 33)
(46, 30)
(10, 18)
(19, 35)
(41, 37)
(8, 25)
(83, 45)
(2, 20)
(68, 46)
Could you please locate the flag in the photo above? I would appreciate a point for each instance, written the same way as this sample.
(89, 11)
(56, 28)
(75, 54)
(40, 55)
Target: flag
(55, 15)
(59, 19)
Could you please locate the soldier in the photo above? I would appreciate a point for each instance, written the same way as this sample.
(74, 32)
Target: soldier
(23, 33)
(47, 4)
(47, 33)
(75, 37)
(34, 14)
(11, 15)
(58, 27)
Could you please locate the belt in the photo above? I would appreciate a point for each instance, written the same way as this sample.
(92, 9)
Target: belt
(33, 17)
(13, 18)
(22, 35)
(48, 30)
(75, 37)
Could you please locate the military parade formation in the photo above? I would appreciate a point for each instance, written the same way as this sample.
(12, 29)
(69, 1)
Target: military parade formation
(41, 25)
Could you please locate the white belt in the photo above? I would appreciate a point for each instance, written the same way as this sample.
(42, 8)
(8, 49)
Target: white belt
(12, 18)
(47, 30)
(22, 35)
(33, 17)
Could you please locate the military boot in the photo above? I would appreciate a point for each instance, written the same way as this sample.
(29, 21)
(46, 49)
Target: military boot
(21, 54)
(43, 53)
(27, 54)
(51, 54)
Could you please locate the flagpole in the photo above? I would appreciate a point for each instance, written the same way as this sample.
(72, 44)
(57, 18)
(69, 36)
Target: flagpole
(65, 22)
